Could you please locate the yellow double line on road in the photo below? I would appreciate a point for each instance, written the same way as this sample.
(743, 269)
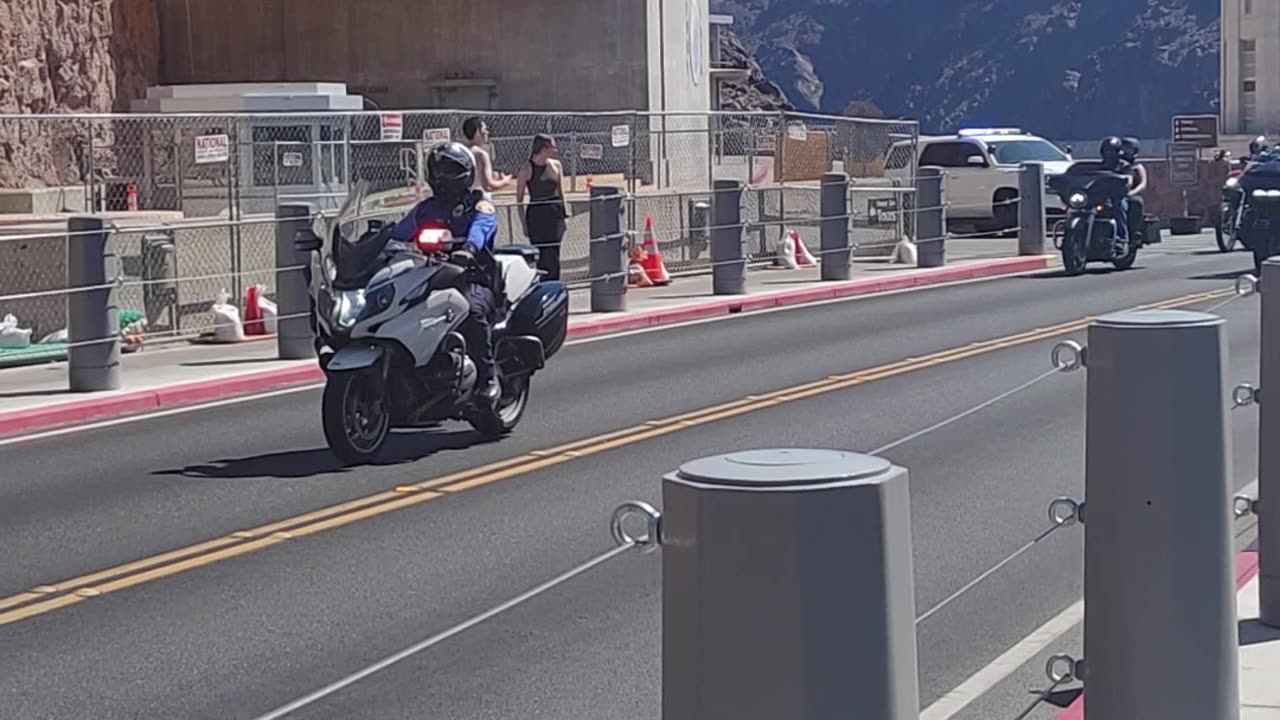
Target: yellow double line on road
(48, 598)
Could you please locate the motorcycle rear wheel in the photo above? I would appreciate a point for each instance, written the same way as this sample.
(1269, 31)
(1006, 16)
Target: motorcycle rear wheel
(501, 418)
(355, 415)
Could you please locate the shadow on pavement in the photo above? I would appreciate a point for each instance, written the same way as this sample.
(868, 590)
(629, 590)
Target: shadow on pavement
(233, 361)
(1097, 270)
(1253, 632)
(401, 448)
(1064, 698)
(1225, 275)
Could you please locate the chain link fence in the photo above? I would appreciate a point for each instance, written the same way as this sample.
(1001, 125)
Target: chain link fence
(204, 188)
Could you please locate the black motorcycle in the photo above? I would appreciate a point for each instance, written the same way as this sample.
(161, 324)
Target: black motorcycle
(1089, 232)
(1260, 212)
(1227, 230)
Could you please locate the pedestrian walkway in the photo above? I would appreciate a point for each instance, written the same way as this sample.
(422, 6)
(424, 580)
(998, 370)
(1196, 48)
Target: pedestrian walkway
(36, 397)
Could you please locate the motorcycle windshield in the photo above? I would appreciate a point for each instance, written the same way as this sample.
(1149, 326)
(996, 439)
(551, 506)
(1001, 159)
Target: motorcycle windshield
(1091, 178)
(356, 252)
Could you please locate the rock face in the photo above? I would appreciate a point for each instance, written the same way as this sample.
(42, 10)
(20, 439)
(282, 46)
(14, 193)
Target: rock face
(756, 92)
(1067, 68)
(68, 56)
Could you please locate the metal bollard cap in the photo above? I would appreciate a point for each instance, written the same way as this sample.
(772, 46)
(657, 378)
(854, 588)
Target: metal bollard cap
(783, 467)
(1161, 318)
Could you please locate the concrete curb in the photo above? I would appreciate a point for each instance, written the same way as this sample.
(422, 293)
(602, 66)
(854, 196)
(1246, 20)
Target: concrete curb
(143, 401)
(1246, 569)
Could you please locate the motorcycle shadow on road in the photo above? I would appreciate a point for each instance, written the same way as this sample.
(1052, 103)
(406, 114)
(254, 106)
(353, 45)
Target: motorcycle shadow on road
(403, 447)
(1099, 270)
(1224, 275)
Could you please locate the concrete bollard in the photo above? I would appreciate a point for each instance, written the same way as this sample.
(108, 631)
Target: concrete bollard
(836, 255)
(1269, 450)
(931, 224)
(787, 588)
(92, 315)
(1031, 210)
(1160, 606)
(728, 242)
(295, 339)
(608, 252)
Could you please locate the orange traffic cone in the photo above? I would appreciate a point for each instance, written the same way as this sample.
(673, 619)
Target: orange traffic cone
(803, 257)
(653, 265)
(253, 324)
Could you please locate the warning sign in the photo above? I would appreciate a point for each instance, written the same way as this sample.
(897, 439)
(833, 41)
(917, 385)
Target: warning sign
(621, 135)
(212, 149)
(291, 159)
(591, 151)
(435, 136)
(392, 127)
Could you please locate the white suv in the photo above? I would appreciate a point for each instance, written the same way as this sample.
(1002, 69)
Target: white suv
(981, 169)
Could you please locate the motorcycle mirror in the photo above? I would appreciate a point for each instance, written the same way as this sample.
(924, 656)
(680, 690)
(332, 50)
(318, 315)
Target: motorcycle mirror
(1070, 150)
(307, 241)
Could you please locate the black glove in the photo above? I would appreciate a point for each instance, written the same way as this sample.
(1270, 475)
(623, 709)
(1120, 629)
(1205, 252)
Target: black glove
(462, 257)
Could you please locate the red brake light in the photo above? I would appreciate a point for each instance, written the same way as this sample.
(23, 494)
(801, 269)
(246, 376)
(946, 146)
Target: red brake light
(433, 240)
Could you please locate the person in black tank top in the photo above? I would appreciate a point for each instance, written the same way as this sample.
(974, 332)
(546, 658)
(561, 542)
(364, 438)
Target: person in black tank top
(544, 218)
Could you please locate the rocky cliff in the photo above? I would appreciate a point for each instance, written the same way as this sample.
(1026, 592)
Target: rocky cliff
(1067, 68)
(68, 56)
(756, 92)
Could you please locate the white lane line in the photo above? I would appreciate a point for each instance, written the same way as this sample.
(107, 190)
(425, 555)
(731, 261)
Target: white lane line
(59, 432)
(981, 682)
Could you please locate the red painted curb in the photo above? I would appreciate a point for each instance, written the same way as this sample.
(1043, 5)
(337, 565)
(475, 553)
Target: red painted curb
(1246, 569)
(132, 403)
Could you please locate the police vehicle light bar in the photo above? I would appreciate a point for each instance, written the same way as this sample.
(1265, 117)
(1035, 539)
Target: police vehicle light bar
(969, 132)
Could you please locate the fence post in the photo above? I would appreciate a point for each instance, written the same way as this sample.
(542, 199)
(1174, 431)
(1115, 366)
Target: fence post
(608, 251)
(931, 226)
(728, 244)
(834, 209)
(1268, 450)
(787, 588)
(294, 337)
(1160, 604)
(1031, 210)
(92, 315)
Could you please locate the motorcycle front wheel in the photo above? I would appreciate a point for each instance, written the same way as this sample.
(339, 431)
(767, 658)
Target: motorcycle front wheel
(1075, 252)
(356, 417)
(1226, 241)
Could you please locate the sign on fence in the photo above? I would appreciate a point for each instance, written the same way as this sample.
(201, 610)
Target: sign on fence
(291, 159)
(621, 135)
(1184, 164)
(797, 131)
(435, 136)
(392, 127)
(1199, 130)
(212, 149)
(591, 151)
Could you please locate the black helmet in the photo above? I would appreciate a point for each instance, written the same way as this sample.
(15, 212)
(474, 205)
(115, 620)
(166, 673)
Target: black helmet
(1130, 148)
(1258, 145)
(1112, 148)
(451, 171)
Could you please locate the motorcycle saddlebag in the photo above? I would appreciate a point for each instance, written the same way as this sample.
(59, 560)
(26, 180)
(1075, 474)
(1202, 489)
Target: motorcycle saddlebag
(543, 313)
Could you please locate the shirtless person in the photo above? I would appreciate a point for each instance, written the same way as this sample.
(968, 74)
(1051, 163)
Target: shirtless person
(476, 133)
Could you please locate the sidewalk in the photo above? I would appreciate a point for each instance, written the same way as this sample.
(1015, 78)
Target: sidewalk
(1259, 652)
(35, 397)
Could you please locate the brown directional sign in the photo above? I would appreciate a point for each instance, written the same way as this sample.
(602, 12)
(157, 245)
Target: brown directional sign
(1199, 130)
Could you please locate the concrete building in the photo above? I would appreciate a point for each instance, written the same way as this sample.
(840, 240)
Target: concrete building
(1250, 55)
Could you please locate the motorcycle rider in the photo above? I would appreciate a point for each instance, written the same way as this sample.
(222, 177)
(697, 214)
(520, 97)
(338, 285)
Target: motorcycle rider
(451, 175)
(1257, 146)
(1138, 183)
(1112, 151)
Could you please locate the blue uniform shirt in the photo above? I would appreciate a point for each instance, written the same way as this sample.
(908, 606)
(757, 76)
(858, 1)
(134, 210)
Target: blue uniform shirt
(479, 224)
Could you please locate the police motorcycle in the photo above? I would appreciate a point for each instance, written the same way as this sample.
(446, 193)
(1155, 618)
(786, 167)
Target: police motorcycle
(1227, 229)
(1260, 211)
(386, 316)
(1088, 233)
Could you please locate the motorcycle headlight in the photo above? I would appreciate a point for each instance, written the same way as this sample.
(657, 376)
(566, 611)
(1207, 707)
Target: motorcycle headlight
(1077, 200)
(1233, 182)
(347, 306)
(379, 300)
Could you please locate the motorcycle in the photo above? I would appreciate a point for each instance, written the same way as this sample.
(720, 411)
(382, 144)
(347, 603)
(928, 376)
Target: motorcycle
(1227, 230)
(1260, 212)
(1089, 231)
(386, 316)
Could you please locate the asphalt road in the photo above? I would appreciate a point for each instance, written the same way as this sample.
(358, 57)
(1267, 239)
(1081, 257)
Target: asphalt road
(251, 623)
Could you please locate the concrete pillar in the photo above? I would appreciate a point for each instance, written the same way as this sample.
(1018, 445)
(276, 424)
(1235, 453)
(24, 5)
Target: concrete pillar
(294, 337)
(1031, 209)
(836, 255)
(787, 588)
(92, 315)
(1268, 510)
(728, 242)
(608, 252)
(931, 225)
(1159, 583)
